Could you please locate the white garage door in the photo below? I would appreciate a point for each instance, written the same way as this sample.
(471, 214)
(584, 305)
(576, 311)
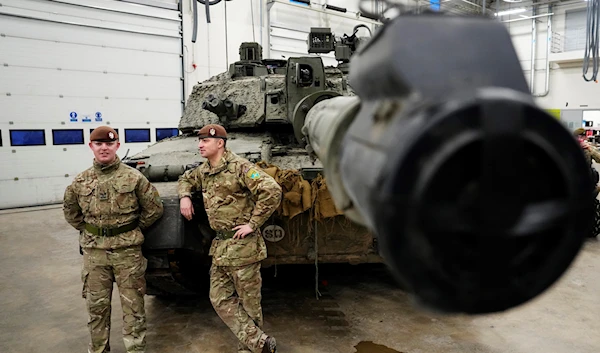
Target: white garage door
(67, 66)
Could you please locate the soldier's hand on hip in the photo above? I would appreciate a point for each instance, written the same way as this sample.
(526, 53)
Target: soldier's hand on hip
(242, 231)
(186, 208)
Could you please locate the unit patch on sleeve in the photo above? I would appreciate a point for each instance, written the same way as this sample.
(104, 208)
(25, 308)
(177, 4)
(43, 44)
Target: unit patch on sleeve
(253, 174)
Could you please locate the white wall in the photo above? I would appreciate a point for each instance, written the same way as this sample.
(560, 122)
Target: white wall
(83, 57)
(593, 117)
(568, 90)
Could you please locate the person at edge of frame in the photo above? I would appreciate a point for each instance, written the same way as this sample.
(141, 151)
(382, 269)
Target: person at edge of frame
(591, 153)
(110, 204)
(238, 199)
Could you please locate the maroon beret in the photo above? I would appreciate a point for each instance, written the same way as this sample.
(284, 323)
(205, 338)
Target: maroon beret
(104, 134)
(212, 130)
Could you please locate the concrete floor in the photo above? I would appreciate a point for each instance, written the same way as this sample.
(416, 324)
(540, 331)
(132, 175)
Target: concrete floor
(361, 310)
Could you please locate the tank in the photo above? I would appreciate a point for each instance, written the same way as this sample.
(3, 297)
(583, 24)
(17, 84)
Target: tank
(262, 104)
(416, 153)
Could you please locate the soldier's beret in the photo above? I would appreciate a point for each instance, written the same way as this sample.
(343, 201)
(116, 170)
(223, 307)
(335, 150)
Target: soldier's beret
(104, 134)
(212, 130)
(579, 131)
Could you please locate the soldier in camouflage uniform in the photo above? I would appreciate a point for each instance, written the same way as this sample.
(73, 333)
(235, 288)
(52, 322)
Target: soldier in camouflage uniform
(238, 199)
(109, 204)
(591, 153)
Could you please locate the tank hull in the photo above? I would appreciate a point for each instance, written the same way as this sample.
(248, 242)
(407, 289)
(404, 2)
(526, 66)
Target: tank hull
(177, 249)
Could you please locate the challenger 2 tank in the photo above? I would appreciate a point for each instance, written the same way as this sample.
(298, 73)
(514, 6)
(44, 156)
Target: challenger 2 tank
(262, 104)
(441, 163)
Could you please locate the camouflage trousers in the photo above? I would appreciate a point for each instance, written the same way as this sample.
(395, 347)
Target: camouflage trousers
(101, 268)
(235, 293)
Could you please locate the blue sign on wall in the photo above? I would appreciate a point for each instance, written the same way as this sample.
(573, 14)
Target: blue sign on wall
(73, 117)
(86, 119)
(98, 117)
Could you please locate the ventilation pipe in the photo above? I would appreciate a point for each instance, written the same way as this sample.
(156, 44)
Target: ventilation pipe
(533, 49)
(548, 44)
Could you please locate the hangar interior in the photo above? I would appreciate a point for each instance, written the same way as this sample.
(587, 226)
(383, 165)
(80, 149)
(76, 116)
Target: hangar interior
(70, 66)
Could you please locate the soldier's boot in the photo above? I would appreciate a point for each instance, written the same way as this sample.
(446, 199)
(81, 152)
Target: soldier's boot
(270, 345)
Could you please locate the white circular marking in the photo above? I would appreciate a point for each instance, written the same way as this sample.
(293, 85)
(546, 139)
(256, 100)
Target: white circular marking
(273, 233)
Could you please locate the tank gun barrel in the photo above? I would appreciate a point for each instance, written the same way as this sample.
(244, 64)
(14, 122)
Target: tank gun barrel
(480, 199)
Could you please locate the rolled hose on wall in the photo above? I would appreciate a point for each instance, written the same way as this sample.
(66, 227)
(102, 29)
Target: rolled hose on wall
(207, 5)
(592, 40)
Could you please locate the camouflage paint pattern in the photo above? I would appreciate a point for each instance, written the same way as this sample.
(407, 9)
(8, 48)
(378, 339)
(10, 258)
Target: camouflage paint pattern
(126, 267)
(235, 293)
(253, 92)
(235, 192)
(110, 196)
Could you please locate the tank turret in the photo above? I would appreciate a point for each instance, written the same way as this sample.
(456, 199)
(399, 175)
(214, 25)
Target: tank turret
(446, 170)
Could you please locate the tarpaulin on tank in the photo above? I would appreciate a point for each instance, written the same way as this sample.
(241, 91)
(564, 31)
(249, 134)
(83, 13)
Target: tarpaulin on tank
(323, 206)
(299, 195)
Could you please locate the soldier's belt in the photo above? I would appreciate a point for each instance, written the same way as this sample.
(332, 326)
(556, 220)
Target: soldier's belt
(222, 235)
(110, 232)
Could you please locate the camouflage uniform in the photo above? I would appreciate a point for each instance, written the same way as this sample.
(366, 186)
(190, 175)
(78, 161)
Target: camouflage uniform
(111, 196)
(591, 153)
(236, 192)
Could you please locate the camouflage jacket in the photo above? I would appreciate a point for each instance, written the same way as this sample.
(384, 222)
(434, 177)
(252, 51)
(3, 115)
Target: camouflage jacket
(235, 192)
(592, 153)
(111, 196)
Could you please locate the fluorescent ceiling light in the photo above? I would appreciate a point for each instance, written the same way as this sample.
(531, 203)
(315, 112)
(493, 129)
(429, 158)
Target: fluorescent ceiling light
(510, 12)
